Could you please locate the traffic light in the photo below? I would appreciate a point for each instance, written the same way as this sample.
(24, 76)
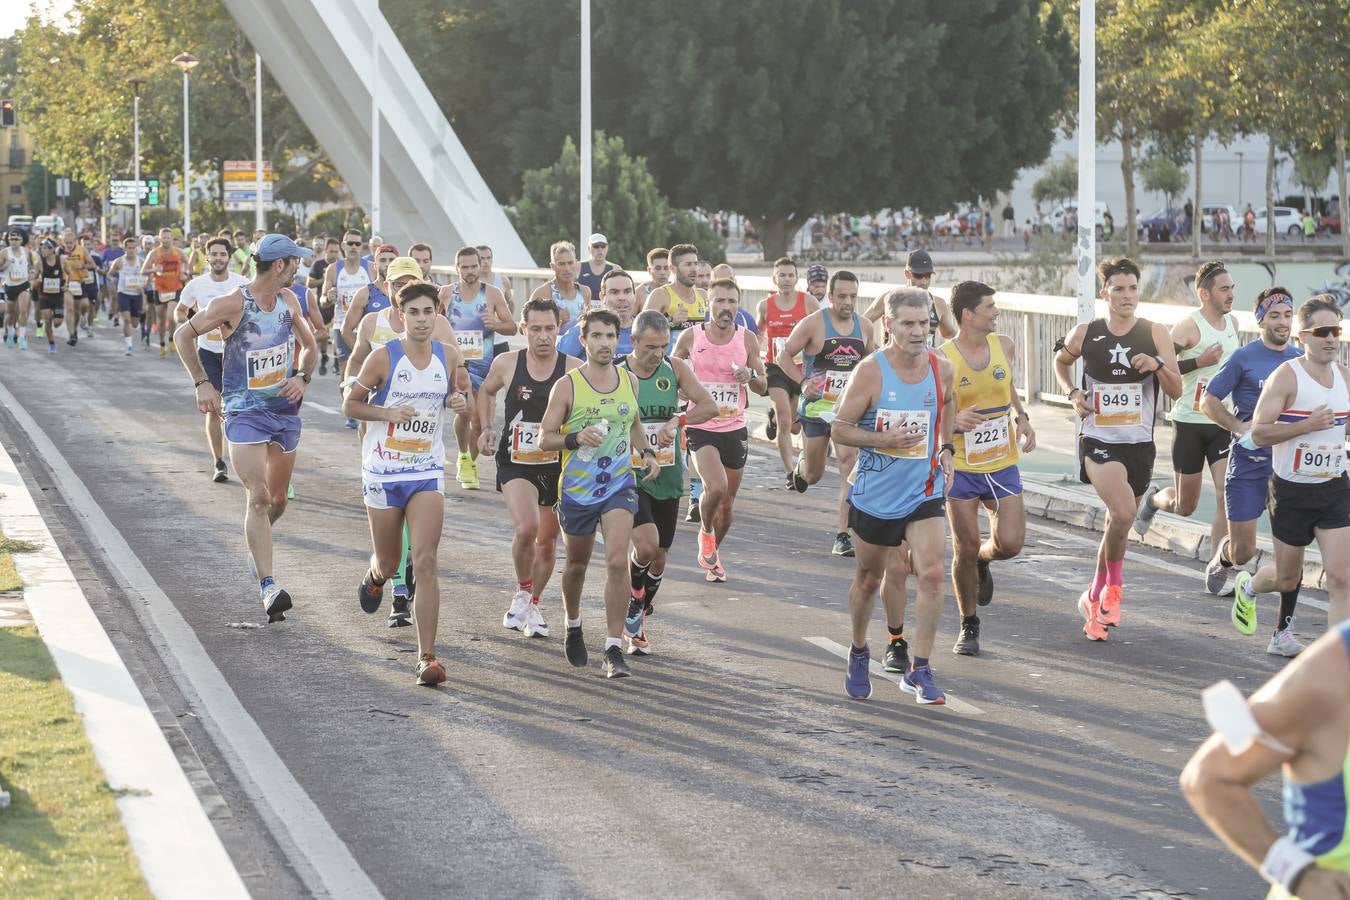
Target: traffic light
(7, 115)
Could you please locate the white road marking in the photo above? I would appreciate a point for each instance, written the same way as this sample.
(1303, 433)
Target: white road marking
(320, 857)
(956, 705)
(174, 841)
(310, 404)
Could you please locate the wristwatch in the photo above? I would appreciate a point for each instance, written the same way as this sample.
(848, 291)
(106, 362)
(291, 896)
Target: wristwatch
(951, 448)
(305, 376)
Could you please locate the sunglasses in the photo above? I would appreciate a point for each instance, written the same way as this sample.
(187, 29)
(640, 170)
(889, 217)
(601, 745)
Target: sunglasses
(351, 243)
(1324, 331)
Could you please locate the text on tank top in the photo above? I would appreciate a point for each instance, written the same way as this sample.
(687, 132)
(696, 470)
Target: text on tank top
(714, 366)
(257, 358)
(415, 449)
(526, 401)
(1319, 455)
(591, 475)
(1193, 383)
(658, 399)
(990, 446)
(778, 325)
(830, 369)
(474, 339)
(1123, 400)
(891, 483)
(696, 310)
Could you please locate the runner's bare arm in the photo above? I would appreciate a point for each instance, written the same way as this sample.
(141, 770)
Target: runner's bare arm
(356, 399)
(1021, 418)
(1169, 374)
(803, 335)
(355, 313)
(701, 406)
(759, 382)
(151, 260)
(637, 436)
(559, 406)
(860, 395)
(684, 344)
(503, 323)
(946, 321)
(223, 310)
(1276, 396)
(486, 401)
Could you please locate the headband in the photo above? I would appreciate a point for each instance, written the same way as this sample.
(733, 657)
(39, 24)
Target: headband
(1270, 300)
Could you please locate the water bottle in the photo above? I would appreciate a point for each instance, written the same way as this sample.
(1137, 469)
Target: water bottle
(588, 453)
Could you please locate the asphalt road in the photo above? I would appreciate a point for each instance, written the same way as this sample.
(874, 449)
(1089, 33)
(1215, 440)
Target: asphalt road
(732, 764)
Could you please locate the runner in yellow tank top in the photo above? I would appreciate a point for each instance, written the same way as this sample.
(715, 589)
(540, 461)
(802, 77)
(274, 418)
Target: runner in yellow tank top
(989, 422)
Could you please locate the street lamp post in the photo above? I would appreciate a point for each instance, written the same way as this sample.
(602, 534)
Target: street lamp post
(1239, 153)
(1086, 239)
(584, 237)
(186, 62)
(136, 81)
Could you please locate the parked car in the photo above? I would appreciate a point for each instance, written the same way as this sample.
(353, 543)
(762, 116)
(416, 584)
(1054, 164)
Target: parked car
(1330, 224)
(1056, 220)
(1161, 226)
(49, 224)
(1209, 209)
(1288, 221)
(23, 223)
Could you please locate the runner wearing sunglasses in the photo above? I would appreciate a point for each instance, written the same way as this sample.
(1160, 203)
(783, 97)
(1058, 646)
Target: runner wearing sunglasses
(1302, 416)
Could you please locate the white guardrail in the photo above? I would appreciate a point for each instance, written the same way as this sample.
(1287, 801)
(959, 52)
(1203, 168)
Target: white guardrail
(1034, 321)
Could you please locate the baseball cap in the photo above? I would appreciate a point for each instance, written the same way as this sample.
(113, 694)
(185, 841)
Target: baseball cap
(387, 248)
(920, 263)
(402, 267)
(278, 246)
(817, 273)
(597, 238)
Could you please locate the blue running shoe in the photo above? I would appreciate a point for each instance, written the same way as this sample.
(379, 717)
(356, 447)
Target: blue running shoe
(858, 681)
(632, 622)
(919, 682)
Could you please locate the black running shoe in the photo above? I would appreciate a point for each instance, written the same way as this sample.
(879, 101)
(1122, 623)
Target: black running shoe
(771, 429)
(370, 594)
(615, 665)
(986, 592)
(221, 475)
(575, 647)
(72, 340)
(897, 656)
(968, 642)
(323, 364)
(400, 613)
(409, 579)
(693, 514)
(799, 484)
(276, 601)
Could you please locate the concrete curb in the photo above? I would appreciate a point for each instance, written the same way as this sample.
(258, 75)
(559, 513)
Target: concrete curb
(179, 852)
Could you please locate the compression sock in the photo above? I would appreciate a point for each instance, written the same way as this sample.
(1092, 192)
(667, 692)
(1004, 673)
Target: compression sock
(898, 632)
(637, 574)
(652, 583)
(1098, 584)
(1288, 600)
(1115, 572)
(398, 577)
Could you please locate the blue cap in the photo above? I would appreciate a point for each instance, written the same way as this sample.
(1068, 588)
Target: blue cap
(278, 246)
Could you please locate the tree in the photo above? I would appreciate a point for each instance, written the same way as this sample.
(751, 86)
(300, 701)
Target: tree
(1161, 175)
(1312, 166)
(1058, 184)
(625, 205)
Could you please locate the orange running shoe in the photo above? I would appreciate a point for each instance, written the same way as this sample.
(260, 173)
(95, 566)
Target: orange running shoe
(1112, 596)
(707, 550)
(1092, 626)
(429, 671)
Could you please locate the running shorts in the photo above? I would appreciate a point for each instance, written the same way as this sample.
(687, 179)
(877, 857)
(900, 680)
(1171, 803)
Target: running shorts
(733, 447)
(991, 486)
(1297, 510)
(778, 379)
(1136, 458)
(259, 426)
(396, 494)
(544, 478)
(664, 514)
(1198, 445)
(583, 519)
(56, 304)
(131, 304)
(890, 532)
(14, 291)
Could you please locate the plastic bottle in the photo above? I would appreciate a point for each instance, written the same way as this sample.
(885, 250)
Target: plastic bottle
(588, 453)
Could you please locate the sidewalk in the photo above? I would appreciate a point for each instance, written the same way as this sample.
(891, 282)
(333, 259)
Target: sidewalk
(177, 849)
(1051, 490)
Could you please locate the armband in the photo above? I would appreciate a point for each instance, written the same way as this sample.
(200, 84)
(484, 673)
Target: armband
(1231, 718)
(572, 441)
(1188, 366)
(1285, 861)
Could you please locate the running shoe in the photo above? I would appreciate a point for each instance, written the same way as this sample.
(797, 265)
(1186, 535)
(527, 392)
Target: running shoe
(790, 481)
(1216, 573)
(370, 594)
(632, 622)
(986, 589)
(896, 658)
(535, 626)
(88, 332)
(51, 348)
(515, 614)
(467, 472)
(1113, 595)
(1094, 629)
(919, 682)
(615, 665)
(637, 644)
(574, 645)
(693, 514)
(220, 475)
(707, 550)
(1244, 604)
(1144, 518)
(128, 353)
(323, 364)
(1284, 643)
(72, 340)
(172, 348)
(798, 482)
(400, 611)
(429, 671)
(771, 427)
(716, 574)
(276, 601)
(41, 329)
(163, 351)
(23, 342)
(843, 545)
(351, 423)
(968, 641)
(858, 679)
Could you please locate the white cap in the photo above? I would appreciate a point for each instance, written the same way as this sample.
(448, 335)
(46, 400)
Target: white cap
(597, 238)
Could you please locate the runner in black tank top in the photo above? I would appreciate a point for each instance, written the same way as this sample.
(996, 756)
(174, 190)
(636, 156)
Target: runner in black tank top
(527, 476)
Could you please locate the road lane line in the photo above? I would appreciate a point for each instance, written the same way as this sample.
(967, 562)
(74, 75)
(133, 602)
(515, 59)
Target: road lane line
(175, 843)
(961, 707)
(310, 404)
(320, 857)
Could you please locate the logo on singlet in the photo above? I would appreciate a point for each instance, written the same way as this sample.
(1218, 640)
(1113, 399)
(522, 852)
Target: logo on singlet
(1120, 355)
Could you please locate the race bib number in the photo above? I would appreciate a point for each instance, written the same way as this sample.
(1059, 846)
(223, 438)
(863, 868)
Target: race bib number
(414, 435)
(214, 335)
(780, 350)
(665, 456)
(75, 289)
(1321, 461)
(267, 367)
(893, 419)
(835, 382)
(51, 285)
(341, 304)
(167, 296)
(1200, 385)
(727, 396)
(988, 442)
(135, 282)
(470, 344)
(525, 446)
(1118, 405)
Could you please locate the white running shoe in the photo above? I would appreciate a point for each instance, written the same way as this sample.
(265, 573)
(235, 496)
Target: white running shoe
(1284, 643)
(515, 616)
(535, 626)
(1216, 573)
